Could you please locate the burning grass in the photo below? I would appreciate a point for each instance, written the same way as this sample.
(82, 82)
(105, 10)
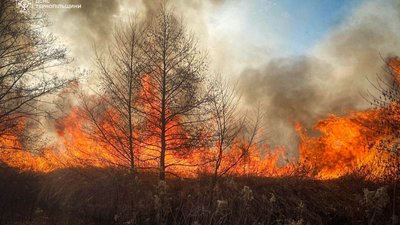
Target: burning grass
(359, 142)
(345, 174)
(345, 145)
(339, 179)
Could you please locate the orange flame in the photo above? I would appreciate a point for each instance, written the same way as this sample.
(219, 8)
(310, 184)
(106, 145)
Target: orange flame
(344, 145)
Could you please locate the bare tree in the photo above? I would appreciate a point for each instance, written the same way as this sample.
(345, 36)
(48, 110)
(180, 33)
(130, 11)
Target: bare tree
(388, 103)
(112, 116)
(226, 121)
(172, 88)
(232, 129)
(26, 56)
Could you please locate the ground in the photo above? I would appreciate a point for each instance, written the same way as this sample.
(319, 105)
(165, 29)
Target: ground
(113, 196)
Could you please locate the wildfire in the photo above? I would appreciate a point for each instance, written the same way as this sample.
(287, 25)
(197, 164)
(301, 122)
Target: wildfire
(344, 145)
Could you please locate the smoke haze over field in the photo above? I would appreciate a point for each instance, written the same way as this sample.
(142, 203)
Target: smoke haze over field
(92, 25)
(293, 86)
(333, 79)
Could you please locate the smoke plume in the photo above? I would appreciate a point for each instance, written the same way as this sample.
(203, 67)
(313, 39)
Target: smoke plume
(332, 80)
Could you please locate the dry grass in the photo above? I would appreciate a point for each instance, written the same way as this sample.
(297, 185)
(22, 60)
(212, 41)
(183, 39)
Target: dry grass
(111, 196)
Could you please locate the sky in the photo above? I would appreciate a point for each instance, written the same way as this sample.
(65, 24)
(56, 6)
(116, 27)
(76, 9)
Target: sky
(299, 24)
(271, 28)
(264, 28)
(306, 21)
(300, 60)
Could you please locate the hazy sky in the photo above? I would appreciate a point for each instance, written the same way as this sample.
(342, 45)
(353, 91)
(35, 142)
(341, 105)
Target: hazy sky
(268, 28)
(302, 60)
(297, 24)
(247, 30)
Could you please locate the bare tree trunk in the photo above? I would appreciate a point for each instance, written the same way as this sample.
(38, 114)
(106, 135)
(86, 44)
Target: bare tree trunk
(163, 142)
(163, 120)
(163, 100)
(131, 151)
(132, 159)
(216, 169)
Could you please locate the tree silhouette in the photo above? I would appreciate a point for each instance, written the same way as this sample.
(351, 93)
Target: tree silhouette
(26, 56)
(113, 118)
(173, 87)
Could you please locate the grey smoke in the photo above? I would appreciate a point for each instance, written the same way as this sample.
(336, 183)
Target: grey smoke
(92, 24)
(332, 80)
